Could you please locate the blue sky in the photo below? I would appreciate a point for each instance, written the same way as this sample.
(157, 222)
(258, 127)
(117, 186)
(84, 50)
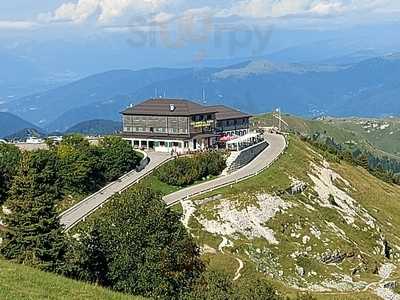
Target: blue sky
(73, 36)
(100, 14)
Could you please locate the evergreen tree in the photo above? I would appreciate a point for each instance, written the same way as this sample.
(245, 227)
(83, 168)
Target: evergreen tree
(92, 263)
(148, 250)
(10, 157)
(3, 186)
(33, 233)
(363, 161)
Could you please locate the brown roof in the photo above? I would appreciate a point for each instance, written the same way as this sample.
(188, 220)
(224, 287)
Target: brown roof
(162, 107)
(227, 113)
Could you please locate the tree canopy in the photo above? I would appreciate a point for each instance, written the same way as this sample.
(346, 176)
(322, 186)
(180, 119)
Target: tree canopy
(34, 235)
(10, 157)
(147, 249)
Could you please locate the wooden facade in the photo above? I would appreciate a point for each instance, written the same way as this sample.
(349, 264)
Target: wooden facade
(180, 125)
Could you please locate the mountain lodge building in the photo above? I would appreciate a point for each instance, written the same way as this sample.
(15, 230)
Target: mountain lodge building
(178, 125)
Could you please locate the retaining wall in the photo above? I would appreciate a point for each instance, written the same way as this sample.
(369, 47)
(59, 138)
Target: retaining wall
(247, 155)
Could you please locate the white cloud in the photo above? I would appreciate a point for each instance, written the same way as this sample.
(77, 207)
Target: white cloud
(104, 11)
(125, 13)
(282, 8)
(328, 8)
(18, 25)
(162, 17)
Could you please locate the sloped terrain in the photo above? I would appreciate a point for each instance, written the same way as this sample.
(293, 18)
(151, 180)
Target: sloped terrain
(376, 135)
(20, 282)
(96, 127)
(10, 124)
(306, 223)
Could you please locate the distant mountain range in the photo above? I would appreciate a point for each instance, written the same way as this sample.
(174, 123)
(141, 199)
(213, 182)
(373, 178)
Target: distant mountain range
(96, 127)
(10, 124)
(370, 87)
(15, 128)
(44, 108)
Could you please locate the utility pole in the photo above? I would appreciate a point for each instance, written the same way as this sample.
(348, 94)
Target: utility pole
(280, 119)
(278, 115)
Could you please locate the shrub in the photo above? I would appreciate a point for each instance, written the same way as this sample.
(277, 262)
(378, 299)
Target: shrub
(185, 171)
(219, 285)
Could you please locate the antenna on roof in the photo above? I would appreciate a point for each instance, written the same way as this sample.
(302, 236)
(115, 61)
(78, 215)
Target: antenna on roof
(204, 96)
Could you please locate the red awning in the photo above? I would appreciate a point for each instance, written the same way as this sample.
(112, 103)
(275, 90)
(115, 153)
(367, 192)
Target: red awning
(226, 138)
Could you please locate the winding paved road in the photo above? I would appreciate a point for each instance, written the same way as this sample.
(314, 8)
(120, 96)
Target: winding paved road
(80, 211)
(277, 145)
(83, 209)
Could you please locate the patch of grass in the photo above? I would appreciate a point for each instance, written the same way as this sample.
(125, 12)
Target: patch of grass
(221, 262)
(21, 282)
(158, 186)
(203, 237)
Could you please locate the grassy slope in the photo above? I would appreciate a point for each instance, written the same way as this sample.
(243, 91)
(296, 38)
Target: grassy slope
(21, 282)
(381, 200)
(377, 140)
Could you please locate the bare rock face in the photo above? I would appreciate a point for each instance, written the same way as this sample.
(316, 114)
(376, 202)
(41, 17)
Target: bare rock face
(297, 187)
(335, 257)
(391, 285)
(300, 271)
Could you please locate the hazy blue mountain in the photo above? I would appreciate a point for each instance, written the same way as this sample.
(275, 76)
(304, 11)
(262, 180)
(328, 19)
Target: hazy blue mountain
(107, 110)
(351, 58)
(10, 124)
(368, 88)
(43, 108)
(23, 134)
(96, 127)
